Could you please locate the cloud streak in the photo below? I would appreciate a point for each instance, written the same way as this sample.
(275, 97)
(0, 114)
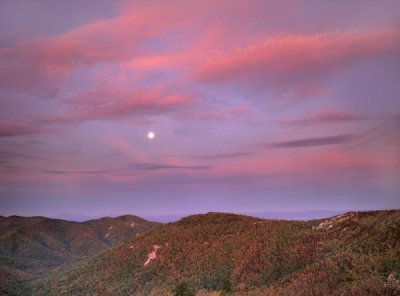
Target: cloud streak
(12, 155)
(10, 128)
(131, 169)
(330, 117)
(313, 142)
(212, 156)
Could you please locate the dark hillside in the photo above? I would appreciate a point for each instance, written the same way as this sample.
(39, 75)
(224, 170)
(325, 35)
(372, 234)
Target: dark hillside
(30, 246)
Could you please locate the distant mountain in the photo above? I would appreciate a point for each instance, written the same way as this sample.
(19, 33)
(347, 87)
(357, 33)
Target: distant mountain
(30, 246)
(356, 253)
(165, 218)
(74, 217)
(300, 215)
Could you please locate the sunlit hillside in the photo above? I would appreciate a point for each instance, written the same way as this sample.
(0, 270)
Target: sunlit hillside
(350, 254)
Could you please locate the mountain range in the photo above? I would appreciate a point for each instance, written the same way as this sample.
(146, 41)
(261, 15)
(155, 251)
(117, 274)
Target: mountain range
(31, 246)
(166, 218)
(355, 253)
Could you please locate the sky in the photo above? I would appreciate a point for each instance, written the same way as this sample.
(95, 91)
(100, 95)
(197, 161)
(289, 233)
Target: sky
(255, 106)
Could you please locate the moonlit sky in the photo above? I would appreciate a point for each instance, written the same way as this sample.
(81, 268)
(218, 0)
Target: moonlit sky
(255, 106)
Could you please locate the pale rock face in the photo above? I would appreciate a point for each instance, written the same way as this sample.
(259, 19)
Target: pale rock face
(108, 233)
(334, 221)
(152, 255)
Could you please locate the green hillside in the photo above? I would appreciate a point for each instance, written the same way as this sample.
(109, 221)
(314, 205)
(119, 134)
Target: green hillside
(31, 246)
(351, 254)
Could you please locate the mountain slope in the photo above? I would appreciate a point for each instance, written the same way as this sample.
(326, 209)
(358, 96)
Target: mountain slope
(350, 253)
(30, 246)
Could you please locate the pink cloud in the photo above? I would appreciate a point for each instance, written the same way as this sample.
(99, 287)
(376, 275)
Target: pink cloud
(294, 60)
(304, 163)
(39, 65)
(114, 103)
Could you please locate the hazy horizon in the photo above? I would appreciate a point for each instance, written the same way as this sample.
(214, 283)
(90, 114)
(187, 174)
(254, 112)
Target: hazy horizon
(172, 217)
(94, 215)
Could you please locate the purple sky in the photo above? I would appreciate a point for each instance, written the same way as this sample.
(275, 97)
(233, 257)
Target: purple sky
(255, 105)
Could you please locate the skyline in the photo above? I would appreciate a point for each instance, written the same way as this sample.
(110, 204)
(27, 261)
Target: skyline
(255, 106)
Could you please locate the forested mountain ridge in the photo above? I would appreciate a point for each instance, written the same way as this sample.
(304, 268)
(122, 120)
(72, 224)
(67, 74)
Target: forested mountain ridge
(30, 246)
(357, 253)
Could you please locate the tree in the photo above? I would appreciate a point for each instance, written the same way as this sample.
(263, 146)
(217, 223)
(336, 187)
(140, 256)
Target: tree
(226, 287)
(183, 290)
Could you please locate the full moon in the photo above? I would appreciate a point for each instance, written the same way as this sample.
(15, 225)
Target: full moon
(151, 135)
